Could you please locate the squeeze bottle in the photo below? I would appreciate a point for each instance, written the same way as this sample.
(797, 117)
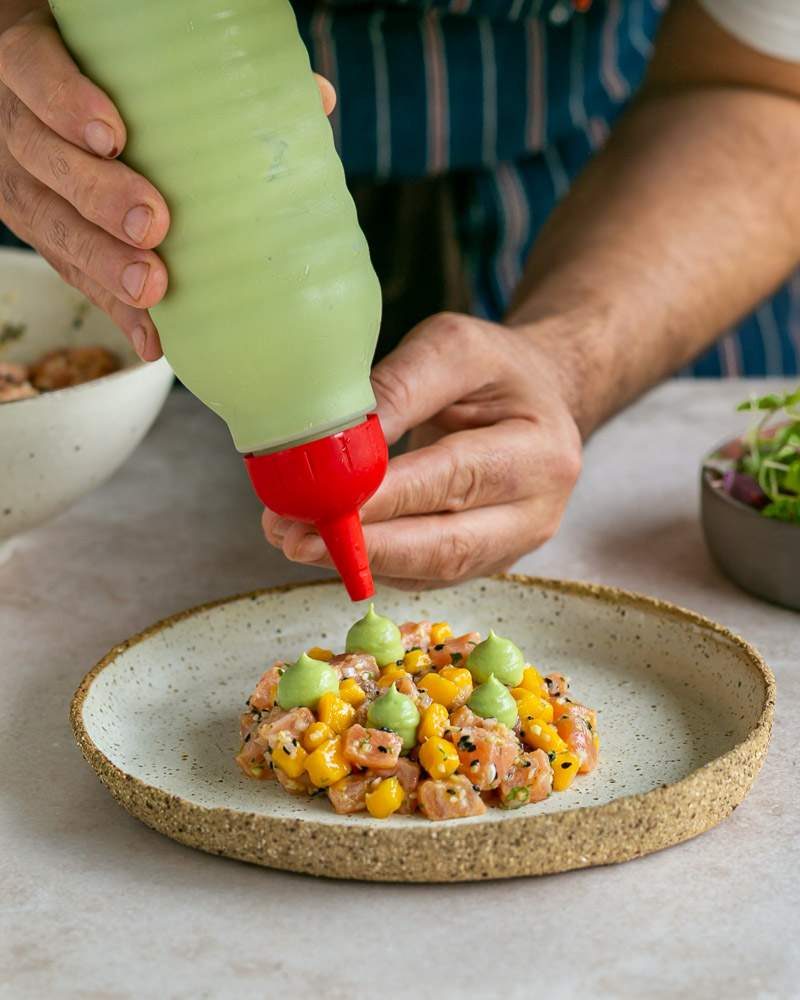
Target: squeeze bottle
(273, 308)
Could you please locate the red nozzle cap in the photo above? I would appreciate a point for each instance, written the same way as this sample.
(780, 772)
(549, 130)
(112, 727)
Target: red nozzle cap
(324, 483)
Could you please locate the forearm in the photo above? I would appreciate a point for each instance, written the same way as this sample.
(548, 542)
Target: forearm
(689, 216)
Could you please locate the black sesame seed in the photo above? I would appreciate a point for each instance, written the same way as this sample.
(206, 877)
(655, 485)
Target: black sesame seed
(565, 764)
(439, 647)
(383, 749)
(475, 788)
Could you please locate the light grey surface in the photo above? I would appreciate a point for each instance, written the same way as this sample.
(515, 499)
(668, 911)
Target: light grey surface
(95, 905)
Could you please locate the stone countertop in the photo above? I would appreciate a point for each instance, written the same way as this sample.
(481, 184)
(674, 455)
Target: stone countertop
(95, 905)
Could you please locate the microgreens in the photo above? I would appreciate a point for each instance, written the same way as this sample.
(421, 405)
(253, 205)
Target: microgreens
(767, 473)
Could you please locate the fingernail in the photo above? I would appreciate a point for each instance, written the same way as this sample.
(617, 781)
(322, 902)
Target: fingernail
(134, 277)
(137, 222)
(310, 549)
(99, 138)
(280, 527)
(139, 338)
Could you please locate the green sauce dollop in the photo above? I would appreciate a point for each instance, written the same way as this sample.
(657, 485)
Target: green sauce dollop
(396, 712)
(376, 635)
(493, 700)
(497, 656)
(305, 681)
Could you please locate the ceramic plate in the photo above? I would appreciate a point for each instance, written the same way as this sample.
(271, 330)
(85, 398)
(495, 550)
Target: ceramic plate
(684, 708)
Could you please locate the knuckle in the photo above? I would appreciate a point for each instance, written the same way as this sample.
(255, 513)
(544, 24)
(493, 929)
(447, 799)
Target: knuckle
(10, 189)
(486, 474)
(59, 164)
(456, 556)
(38, 210)
(393, 388)
(10, 110)
(24, 137)
(86, 252)
(58, 235)
(449, 328)
(570, 465)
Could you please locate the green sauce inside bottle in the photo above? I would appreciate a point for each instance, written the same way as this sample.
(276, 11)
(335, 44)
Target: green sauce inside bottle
(493, 700)
(498, 656)
(376, 635)
(396, 712)
(305, 682)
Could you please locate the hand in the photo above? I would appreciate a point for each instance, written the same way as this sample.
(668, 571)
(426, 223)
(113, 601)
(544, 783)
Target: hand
(495, 454)
(63, 191)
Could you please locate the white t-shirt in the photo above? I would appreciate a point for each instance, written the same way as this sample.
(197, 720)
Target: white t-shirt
(770, 26)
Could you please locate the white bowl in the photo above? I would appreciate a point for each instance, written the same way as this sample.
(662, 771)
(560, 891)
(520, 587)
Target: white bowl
(56, 447)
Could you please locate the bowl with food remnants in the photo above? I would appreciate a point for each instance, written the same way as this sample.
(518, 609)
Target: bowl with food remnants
(751, 501)
(75, 400)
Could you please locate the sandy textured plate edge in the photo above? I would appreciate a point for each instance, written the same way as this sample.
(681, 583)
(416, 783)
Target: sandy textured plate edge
(530, 844)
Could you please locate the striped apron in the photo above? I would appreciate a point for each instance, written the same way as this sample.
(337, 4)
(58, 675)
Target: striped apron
(461, 123)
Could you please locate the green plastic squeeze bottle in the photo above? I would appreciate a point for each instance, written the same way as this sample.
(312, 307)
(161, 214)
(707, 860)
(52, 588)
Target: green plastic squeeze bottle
(273, 308)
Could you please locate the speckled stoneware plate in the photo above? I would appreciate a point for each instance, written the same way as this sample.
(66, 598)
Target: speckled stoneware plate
(685, 710)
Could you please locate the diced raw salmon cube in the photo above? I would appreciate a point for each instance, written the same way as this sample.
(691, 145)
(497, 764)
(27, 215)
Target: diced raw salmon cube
(450, 798)
(371, 748)
(295, 721)
(529, 779)
(358, 665)
(486, 755)
(416, 635)
(577, 733)
(454, 651)
(348, 794)
(266, 691)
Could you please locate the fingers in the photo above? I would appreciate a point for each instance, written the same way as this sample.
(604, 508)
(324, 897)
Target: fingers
(108, 194)
(136, 277)
(475, 468)
(441, 548)
(36, 67)
(41, 218)
(136, 324)
(442, 360)
(327, 93)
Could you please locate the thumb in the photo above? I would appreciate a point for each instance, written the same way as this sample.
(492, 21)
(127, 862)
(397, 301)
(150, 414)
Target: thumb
(440, 361)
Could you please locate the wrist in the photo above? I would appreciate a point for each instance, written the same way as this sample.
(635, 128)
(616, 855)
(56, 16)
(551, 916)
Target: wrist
(576, 339)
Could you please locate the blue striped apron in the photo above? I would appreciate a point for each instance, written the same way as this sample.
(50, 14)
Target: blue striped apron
(509, 98)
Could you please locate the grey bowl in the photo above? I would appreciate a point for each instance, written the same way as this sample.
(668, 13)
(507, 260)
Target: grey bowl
(758, 553)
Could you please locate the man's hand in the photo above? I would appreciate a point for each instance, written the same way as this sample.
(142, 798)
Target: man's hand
(63, 191)
(494, 456)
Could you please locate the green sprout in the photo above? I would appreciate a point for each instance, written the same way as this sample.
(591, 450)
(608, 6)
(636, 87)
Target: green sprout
(772, 452)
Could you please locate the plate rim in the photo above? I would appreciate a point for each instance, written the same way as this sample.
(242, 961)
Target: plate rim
(716, 788)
